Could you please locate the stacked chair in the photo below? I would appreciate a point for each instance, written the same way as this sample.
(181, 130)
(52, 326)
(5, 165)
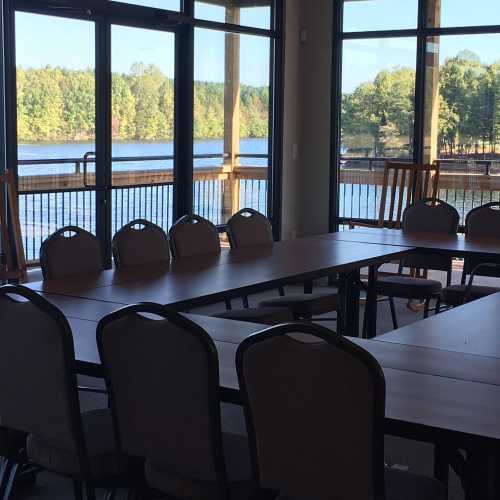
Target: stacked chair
(250, 229)
(425, 216)
(39, 397)
(313, 432)
(481, 222)
(193, 236)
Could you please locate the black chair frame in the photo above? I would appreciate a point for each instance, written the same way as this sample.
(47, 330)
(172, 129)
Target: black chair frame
(339, 342)
(202, 336)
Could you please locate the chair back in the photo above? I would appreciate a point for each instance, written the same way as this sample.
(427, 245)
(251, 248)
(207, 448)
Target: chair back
(38, 387)
(140, 242)
(249, 228)
(403, 184)
(314, 406)
(434, 216)
(193, 235)
(162, 375)
(482, 222)
(70, 251)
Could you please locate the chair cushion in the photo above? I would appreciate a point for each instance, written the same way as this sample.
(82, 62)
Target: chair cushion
(406, 287)
(267, 316)
(454, 295)
(164, 478)
(305, 304)
(99, 436)
(402, 485)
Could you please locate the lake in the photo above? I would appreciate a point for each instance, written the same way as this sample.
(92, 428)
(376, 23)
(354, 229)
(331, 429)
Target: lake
(131, 149)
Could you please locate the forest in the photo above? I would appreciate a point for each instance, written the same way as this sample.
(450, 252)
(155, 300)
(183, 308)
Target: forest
(377, 117)
(57, 104)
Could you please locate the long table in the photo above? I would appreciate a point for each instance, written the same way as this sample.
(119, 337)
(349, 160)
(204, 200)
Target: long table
(442, 374)
(198, 281)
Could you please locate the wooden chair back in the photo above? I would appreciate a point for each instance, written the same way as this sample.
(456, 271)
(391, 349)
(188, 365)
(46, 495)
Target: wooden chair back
(12, 259)
(408, 183)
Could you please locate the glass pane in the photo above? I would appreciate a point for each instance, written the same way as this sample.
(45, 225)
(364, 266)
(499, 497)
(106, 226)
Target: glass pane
(377, 120)
(449, 13)
(56, 125)
(231, 117)
(158, 4)
(143, 70)
(462, 117)
(256, 14)
(380, 15)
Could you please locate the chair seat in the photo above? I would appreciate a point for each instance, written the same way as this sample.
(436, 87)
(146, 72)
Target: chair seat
(237, 458)
(305, 304)
(454, 295)
(406, 287)
(99, 437)
(267, 316)
(402, 485)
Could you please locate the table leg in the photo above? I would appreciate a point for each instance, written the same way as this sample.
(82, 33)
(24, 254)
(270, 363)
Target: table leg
(351, 302)
(371, 303)
(482, 470)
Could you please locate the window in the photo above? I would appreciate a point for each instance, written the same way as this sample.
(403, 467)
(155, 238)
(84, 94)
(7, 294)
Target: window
(157, 4)
(441, 104)
(231, 123)
(378, 15)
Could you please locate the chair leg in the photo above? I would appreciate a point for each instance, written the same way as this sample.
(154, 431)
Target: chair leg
(110, 494)
(442, 467)
(77, 490)
(244, 300)
(89, 491)
(281, 291)
(229, 306)
(393, 313)
(438, 306)
(426, 307)
(10, 480)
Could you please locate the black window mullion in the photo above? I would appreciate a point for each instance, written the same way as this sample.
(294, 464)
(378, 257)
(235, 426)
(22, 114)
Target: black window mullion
(103, 173)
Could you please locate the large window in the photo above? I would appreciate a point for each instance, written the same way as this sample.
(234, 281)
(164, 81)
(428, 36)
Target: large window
(124, 112)
(231, 123)
(440, 104)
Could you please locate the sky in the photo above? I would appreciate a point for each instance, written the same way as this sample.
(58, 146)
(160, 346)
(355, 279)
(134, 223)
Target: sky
(43, 40)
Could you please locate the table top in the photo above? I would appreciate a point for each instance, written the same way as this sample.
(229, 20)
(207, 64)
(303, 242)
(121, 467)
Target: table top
(433, 389)
(201, 280)
(472, 328)
(457, 245)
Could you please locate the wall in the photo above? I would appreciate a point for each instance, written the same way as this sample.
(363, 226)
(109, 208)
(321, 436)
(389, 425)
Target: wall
(306, 175)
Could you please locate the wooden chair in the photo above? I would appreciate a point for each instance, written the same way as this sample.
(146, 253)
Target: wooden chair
(402, 185)
(315, 432)
(12, 259)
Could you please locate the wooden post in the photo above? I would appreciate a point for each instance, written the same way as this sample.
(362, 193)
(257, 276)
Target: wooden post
(231, 196)
(431, 116)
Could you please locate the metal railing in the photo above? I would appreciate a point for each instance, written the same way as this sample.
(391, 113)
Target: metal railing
(464, 183)
(60, 196)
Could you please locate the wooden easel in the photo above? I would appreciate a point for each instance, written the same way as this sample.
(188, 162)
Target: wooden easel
(12, 261)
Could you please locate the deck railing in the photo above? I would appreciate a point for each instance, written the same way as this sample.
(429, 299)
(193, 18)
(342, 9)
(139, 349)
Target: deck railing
(464, 184)
(48, 201)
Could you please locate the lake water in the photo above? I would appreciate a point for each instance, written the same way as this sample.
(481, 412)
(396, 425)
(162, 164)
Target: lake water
(134, 149)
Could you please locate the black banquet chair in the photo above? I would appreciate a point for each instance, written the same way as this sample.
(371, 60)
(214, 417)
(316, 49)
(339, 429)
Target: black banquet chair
(140, 242)
(70, 251)
(39, 397)
(193, 236)
(313, 432)
(249, 228)
(430, 216)
(481, 222)
(167, 409)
